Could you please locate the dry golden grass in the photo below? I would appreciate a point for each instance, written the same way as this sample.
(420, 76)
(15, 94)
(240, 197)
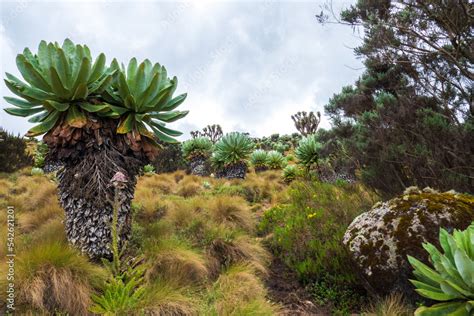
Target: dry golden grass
(51, 276)
(174, 261)
(188, 188)
(241, 249)
(31, 193)
(231, 211)
(167, 299)
(392, 305)
(239, 292)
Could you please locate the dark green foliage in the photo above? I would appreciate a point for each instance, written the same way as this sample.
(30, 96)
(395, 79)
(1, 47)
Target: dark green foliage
(290, 173)
(308, 151)
(275, 160)
(258, 159)
(408, 120)
(197, 147)
(233, 148)
(307, 231)
(169, 158)
(13, 155)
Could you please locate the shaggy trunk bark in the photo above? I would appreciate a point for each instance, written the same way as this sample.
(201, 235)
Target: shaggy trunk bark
(235, 171)
(86, 195)
(199, 166)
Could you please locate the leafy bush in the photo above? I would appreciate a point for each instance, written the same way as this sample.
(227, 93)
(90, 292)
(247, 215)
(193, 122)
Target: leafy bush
(233, 148)
(197, 147)
(13, 155)
(307, 151)
(452, 279)
(149, 169)
(306, 232)
(258, 159)
(275, 160)
(40, 155)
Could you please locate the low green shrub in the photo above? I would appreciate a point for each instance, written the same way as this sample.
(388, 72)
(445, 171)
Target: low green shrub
(13, 153)
(149, 169)
(306, 232)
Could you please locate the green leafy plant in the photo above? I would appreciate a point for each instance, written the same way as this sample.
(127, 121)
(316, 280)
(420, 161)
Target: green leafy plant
(452, 279)
(308, 151)
(290, 173)
(142, 96)
(149, 169)
(197, 147)
(275, 160)
(231, 149)
(258, 159)
(58, 82)
(40, 154)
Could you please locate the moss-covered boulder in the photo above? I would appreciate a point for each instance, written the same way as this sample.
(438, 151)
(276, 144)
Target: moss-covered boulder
(380, 240)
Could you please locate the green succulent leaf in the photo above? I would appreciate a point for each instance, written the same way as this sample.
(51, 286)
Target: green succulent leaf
(45, 126)
(20, 103)
(93, 108)
(23, 112)
(174, 103)
(75, 117)
(61, 107)
(126, 125)
(31, 75)
(453, 277)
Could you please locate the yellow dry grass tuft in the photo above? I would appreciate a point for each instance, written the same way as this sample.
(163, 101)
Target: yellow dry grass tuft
(392, 305)
(238, 291)
(166, 299)
(231, 211)
(52, 277)
(173, 260)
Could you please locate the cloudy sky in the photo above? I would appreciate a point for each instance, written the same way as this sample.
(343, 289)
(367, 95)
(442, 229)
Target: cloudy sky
(246, 65)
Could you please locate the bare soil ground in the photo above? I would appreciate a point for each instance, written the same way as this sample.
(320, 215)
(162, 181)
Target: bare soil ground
(284, 288)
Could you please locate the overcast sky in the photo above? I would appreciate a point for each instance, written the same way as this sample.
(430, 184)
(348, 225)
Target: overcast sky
(246, 65)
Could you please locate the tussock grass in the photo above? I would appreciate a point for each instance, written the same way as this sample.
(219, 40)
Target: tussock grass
(31, 193)
(190, 186)
(166, 299)
(173, 260)
(392, 305)
(52, 277)
(230, 211)
(241, 249)
(238, 291)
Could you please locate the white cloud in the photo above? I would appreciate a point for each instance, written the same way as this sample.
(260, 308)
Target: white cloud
(245, 65)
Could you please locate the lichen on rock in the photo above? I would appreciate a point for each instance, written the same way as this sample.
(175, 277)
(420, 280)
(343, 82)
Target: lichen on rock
(380, 240)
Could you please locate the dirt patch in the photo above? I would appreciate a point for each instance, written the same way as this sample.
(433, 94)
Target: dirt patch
(284, 289)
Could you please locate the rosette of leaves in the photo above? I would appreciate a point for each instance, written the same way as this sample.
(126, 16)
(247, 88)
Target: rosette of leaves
(308, 151)
(231, 153)
(258, 159)
(141, 96)
(197, 147)
(290, 173)
(451, 279)
(275, 160)
(58, 82)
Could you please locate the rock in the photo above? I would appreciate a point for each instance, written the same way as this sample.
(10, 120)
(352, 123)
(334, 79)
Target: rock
(380, 240)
